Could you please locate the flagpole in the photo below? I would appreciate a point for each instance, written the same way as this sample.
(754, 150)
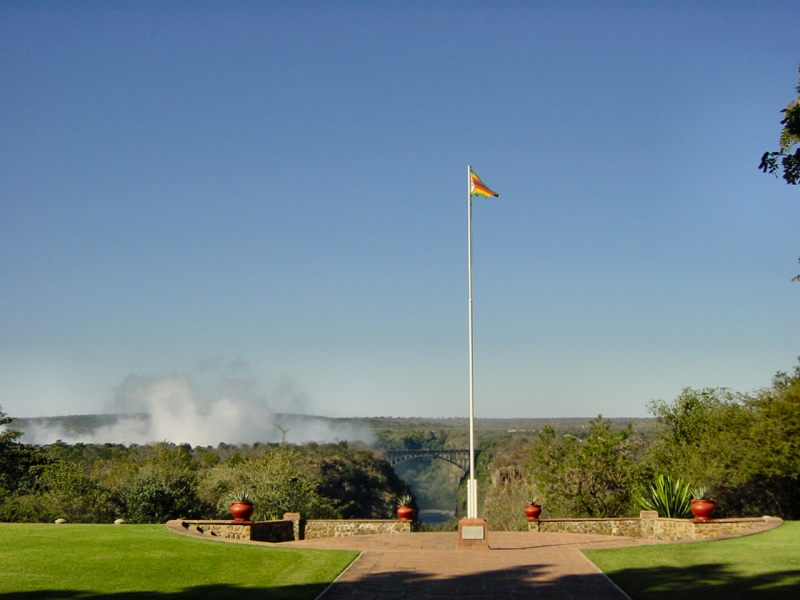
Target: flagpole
(472, 488)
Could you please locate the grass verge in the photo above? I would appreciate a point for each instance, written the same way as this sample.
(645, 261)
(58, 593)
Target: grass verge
(761, 566)
(133, 562)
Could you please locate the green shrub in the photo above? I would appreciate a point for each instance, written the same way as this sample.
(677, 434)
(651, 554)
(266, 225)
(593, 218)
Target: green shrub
(593, 476)
(156, 498)
(279, 482)
(71, 494)
(26, 508)
(671, 498)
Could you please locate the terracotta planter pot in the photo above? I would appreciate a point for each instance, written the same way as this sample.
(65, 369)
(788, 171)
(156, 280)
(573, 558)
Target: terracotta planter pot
(241, 511)
(405, 513)
(702, 509)
(532, 511)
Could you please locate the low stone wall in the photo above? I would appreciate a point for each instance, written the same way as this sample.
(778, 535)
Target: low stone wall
(325, 528)
(257, 531)
(292, 528)
(289, 528)
(656, 528)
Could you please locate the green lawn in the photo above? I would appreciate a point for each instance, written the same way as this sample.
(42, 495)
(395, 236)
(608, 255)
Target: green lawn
(762, 566)
(138, 562)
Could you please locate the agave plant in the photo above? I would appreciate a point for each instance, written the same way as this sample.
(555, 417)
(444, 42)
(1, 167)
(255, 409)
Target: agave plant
(241, 496)
(671, 498)
(404, 500)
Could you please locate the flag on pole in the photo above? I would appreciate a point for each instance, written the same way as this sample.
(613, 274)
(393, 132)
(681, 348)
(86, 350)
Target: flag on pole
(478, 188)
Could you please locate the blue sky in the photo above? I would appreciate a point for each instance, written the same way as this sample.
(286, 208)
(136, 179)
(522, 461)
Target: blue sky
(268, 199)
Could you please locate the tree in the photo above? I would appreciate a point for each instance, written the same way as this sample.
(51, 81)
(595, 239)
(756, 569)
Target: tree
(69, 492)
(9, 468)
(156, 496)
(595, 476)
(771, 470)
(789, 138)
(704, 439)
(359, 482)
(164, 487)
(744, 448)
(503, 500)
(279, 481)
(691, 432)
(18, 462)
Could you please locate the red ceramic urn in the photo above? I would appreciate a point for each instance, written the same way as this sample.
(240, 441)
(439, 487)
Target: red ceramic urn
(241, 511)
(405, 513)
(532, 511)
(702, 509)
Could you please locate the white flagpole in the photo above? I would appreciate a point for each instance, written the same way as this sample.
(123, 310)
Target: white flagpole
(472, 488)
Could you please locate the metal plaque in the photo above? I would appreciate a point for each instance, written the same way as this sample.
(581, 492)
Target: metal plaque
(472, 532)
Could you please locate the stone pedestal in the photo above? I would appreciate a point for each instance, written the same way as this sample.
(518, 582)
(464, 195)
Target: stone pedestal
(473, 534)
(297, 524)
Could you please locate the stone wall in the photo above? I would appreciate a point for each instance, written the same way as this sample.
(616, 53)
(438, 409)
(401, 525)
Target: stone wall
(291, 527)
(257, 531)
(674, 530)
(325, 528)
(272, 531)
(623, 527)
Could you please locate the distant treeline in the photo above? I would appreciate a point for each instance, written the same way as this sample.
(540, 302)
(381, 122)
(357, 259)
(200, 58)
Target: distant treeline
(74, 426)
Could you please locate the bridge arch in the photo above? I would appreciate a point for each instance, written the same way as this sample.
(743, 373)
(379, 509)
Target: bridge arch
(458, 457)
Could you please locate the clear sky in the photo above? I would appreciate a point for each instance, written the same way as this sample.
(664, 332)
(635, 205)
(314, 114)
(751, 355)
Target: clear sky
(267, 200)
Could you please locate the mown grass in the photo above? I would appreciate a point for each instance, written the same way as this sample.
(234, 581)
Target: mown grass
(137, 562)
(762, 566)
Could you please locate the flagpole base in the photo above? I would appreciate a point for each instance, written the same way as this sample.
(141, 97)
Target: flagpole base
(472, 534)
(472, 498)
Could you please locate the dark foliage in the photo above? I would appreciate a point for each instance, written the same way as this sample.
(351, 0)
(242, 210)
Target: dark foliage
(784, 159)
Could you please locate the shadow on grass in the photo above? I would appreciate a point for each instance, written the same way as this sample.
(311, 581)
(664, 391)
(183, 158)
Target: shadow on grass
(205, 592)
(708, 582)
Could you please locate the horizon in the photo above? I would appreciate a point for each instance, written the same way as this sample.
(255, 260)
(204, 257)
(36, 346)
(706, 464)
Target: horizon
(319, 416)
(294, 429)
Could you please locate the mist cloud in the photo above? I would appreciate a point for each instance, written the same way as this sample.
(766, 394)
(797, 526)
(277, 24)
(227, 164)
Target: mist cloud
(216, 402)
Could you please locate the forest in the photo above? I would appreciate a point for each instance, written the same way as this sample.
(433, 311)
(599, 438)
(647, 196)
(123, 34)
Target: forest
(742, 449)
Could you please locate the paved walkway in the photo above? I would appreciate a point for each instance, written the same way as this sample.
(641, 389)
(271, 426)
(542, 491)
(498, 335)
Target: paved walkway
(428, 565)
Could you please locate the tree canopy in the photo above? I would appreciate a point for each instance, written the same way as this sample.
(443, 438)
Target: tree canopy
(789, 140)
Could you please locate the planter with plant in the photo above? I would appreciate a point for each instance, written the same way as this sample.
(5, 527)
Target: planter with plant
(405, 510)
(241, 505)
(702, 506)
(532, 510)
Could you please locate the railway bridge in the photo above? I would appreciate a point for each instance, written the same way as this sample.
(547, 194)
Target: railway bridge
(458, 457)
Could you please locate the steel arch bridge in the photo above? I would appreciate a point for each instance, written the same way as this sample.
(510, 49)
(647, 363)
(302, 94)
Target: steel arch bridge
(458, 457)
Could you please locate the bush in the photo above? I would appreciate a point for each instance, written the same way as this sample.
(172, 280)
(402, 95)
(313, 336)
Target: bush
(71, 494)
(165, 487)
(591, 477)
(280, 482)
(746, 448)
(157, 498)
(671, 498)
(26, 508)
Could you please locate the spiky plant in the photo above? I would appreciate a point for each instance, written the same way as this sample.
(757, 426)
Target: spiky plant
(671, 498)
(241, 496)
